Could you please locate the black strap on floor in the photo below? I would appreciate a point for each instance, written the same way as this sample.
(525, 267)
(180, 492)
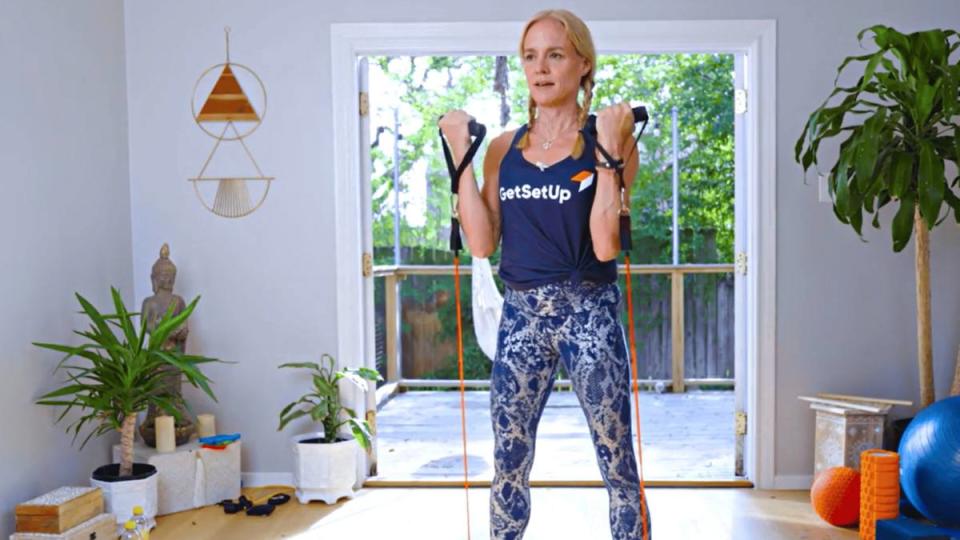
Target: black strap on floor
(478, 131)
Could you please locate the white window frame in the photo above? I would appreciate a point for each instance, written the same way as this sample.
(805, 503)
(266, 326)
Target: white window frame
(755, 38)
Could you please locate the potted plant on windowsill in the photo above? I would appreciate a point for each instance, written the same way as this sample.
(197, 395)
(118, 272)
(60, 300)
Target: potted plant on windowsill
(116, 374)
(326, 462)
(908, 99)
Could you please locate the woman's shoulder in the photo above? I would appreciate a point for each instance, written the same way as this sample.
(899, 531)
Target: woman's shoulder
(500, 144)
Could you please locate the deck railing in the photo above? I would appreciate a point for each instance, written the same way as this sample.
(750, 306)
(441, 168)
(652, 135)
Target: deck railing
(393, 274)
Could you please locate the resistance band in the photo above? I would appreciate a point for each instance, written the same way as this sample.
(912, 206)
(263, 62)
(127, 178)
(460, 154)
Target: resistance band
(477, 131)
(626, 244)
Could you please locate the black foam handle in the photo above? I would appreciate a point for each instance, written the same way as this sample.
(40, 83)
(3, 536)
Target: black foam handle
(475, 128)
(639, 115)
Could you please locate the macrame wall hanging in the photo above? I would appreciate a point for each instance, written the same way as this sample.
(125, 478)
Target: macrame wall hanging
(225, 107)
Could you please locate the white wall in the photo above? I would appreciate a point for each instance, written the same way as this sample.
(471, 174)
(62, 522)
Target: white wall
(64, 220)
(845, 310)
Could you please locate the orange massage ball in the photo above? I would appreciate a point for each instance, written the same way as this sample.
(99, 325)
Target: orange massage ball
(836, 496)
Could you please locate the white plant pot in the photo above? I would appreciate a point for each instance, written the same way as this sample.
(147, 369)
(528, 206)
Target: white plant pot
(324, 472)
(120, 497)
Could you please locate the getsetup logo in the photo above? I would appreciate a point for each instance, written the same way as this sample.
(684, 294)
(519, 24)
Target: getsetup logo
(584, 178)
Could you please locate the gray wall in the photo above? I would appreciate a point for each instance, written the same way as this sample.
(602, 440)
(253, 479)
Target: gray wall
(845, 309)
(64, 219)
(845, 319)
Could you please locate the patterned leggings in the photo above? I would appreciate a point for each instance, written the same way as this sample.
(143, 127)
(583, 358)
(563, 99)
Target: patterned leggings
(578, 324)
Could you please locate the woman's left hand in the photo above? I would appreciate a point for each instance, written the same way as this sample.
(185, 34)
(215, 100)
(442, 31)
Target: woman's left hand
(613, 124)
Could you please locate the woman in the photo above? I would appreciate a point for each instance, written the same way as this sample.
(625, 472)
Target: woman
(548, 194)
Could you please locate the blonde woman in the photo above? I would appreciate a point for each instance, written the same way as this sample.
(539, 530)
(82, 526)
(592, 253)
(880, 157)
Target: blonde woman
(552, 202)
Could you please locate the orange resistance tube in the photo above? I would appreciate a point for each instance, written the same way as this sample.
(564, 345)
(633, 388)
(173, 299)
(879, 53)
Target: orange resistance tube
(635, 383)
(463, 407)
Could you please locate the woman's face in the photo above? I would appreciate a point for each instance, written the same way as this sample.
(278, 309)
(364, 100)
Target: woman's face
(552, 66)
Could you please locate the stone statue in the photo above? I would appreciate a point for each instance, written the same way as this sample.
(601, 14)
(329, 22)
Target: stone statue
(163, 275)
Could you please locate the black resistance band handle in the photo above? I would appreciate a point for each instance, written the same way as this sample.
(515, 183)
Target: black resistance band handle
(639, 115)
(478, 131)
(590, 131)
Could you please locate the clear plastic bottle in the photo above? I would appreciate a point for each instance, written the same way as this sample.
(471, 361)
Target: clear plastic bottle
(143, 528)
(130, 531)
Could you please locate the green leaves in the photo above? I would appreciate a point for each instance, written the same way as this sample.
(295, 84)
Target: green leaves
(903, 222)
(932, 183)
(113, 375)
(906, 97)
(323, 404)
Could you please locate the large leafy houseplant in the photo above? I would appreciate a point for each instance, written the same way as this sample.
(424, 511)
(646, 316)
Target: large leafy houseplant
(322, 404)
(119, 373)
(903, 128)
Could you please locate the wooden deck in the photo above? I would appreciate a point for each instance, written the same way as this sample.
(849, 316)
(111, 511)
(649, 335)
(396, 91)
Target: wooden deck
(686, 436)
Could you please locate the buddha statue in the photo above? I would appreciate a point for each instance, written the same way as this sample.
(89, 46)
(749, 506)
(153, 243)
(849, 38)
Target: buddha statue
(162, 276)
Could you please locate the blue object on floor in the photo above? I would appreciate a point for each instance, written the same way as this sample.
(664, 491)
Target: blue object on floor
(910, 529)
(220, 439)
(930, 462)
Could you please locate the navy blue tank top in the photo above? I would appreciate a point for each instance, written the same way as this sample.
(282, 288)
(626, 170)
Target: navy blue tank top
(545, 221)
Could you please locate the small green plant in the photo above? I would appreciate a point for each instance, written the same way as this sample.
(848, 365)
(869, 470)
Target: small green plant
(323, 405)
(120, 374)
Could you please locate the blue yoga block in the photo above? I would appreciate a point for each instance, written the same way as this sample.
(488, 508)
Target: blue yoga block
(904, 528)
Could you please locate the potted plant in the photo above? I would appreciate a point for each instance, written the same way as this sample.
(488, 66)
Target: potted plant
(907, 100)
(116, 375)
(326, 461)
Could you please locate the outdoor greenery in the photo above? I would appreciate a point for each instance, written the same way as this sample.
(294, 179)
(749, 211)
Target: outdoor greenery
(493, 89)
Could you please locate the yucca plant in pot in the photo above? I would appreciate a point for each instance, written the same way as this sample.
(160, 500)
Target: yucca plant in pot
(112, 376)
(326, 462)
(902, 129)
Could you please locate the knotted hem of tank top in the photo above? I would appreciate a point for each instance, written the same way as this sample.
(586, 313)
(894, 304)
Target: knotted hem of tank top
(564, 297)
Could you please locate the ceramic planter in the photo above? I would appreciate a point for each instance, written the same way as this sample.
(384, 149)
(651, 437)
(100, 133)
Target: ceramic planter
(324, 471)
(120, 496)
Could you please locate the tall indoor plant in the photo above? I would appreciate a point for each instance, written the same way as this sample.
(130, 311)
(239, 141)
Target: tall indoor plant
(902, 130)
(116, 374)
(325, 461)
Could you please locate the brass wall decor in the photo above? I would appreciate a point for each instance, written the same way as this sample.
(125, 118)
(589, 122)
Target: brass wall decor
(228, 104)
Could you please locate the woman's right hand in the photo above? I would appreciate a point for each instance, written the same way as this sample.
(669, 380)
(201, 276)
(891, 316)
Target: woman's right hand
(455, 126)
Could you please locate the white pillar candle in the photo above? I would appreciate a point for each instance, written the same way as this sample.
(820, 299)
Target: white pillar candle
(206, 426)
(166, 438)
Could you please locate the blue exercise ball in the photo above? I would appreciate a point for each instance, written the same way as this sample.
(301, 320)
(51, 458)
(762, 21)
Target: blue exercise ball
(930, 462)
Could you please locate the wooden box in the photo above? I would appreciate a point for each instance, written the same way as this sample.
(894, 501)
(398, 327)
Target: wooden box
(59, 510)
(102, 527)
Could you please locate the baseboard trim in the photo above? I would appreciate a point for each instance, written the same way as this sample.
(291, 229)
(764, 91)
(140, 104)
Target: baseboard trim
(260, 479)
(795, 481)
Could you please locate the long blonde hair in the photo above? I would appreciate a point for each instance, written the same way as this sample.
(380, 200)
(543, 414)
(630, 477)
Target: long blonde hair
(579, 35)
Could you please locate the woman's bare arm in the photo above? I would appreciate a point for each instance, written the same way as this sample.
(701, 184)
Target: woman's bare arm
(480, 208)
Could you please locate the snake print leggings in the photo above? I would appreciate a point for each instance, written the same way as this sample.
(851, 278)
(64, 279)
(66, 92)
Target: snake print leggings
(579, 325)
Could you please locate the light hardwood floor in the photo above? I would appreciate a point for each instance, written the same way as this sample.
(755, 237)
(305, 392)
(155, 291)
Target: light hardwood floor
(557, 514)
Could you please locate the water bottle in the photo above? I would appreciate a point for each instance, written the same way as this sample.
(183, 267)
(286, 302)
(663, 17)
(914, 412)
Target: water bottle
(130, 531)
(143, 528)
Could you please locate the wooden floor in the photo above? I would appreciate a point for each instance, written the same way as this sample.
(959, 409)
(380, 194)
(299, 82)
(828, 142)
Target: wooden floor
(556, 514)
(687, 436)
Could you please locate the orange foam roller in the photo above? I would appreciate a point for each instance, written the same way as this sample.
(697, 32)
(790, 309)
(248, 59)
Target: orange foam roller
(879, 489)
